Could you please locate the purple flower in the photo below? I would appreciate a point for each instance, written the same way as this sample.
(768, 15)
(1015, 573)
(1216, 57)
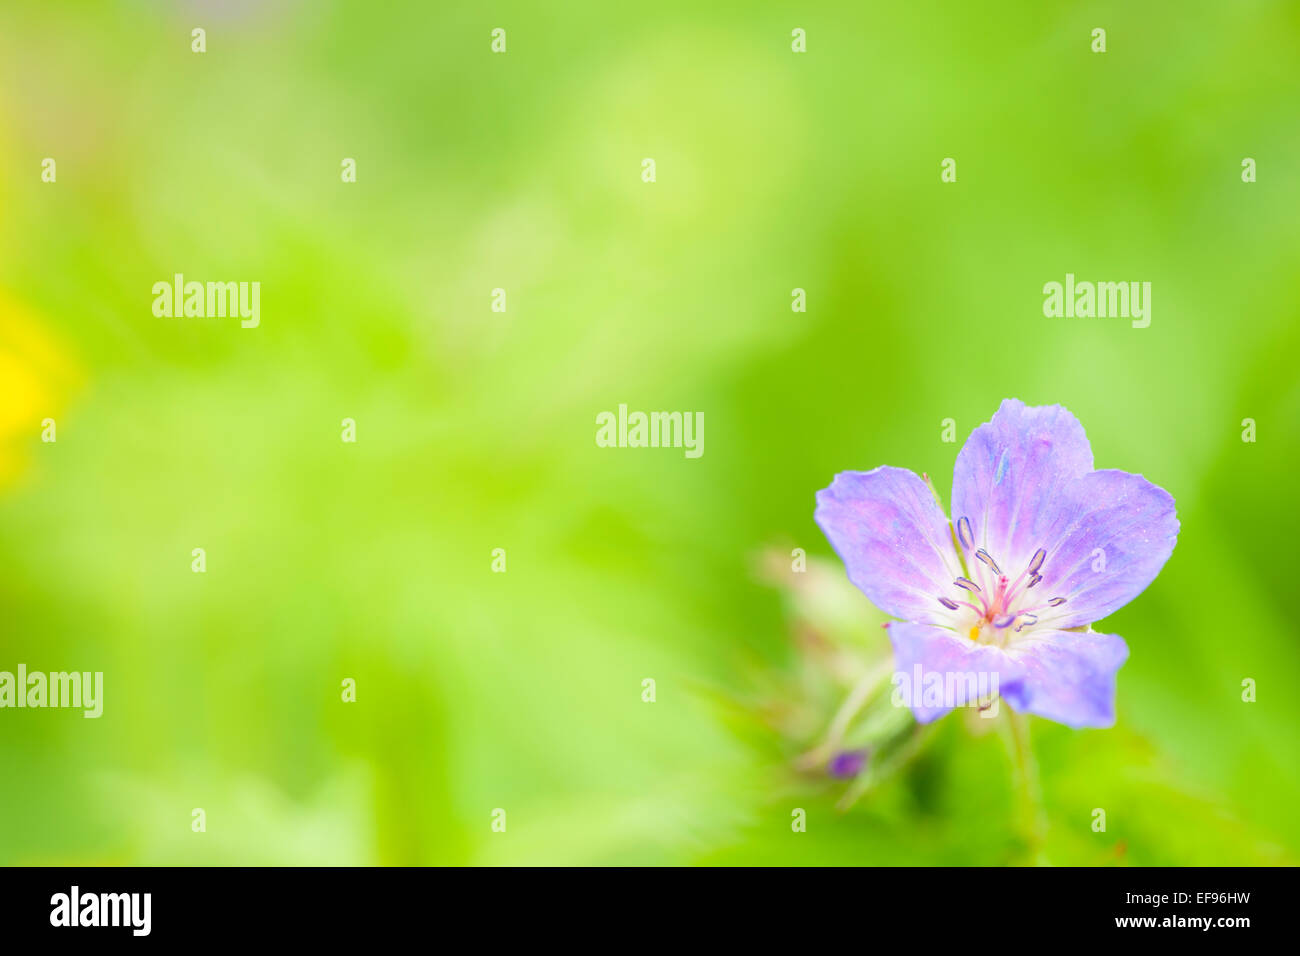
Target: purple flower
(847, 764)
(1040, 546)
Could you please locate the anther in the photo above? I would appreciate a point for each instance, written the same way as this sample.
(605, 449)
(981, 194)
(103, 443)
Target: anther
(1056, 602)
(964, 533)
(948, 603)
(1039, 557)
(988, 559)
(1034, 580)
(966, 583)
(1004, 621)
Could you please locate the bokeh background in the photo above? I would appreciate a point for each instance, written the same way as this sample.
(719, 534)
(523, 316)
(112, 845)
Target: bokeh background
(522, 690)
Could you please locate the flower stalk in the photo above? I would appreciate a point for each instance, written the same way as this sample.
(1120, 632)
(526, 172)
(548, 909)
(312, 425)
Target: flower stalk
(1031, 812)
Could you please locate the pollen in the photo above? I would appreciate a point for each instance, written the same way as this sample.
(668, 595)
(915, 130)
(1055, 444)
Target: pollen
(975, 633)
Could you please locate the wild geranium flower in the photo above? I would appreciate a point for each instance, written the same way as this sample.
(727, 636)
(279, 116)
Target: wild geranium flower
(1041, 545)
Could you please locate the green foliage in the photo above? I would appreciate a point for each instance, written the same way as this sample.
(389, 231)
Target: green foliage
(475, 429)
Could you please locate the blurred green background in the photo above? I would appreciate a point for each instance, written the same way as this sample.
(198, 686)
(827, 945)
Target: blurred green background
(522, 690)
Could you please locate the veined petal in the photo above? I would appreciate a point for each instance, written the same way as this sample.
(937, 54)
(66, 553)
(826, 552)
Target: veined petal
(1068, 676)
(893, 538)
(1011, 470)
(1114, 532)
(924, 654)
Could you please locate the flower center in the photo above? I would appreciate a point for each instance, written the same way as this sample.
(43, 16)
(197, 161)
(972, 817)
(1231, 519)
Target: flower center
(995, 607)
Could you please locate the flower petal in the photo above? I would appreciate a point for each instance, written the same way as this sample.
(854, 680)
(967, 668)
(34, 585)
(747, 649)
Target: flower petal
(1113, 533)
(968, 670)
(895, 542)
(1069, 676)
(1010, 470)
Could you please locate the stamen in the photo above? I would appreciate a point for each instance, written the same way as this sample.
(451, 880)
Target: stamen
(1056, 602)
(1004, 621)
(964, 533)
(1039, 557)
(948, 603)
(1029, 620)
(966, 583)
(988, 559)
(1034, 580)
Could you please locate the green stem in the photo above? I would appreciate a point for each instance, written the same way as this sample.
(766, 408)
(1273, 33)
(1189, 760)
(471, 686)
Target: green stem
(853, 703)
(1032, 814)
(879, 771)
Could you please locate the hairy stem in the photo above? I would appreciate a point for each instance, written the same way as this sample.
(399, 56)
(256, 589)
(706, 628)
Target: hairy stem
(1032, 815)
(853, 703)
